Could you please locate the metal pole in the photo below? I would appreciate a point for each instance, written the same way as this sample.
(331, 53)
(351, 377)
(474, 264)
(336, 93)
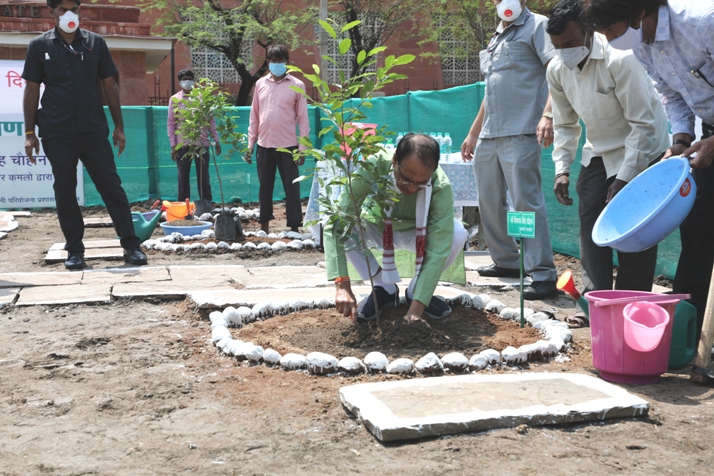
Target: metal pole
(323, 41)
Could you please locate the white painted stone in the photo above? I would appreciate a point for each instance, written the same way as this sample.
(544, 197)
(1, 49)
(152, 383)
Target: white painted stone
(261, 309)
(236, 246)
(263, 246)
(278, 246)
(402, 366)
(198, 247)
(261, 234)
(206, 217)
(430, 364)
(295, 245)
(197, 237)
(232, 317)
(558, 343)
(536, 317)
(320, 363)
(244, 313)
(485, 298)
(224, 246)
(324, 303)
(540, 350)
(309, 244)
(299, 304)
(513, 356)
(279, 307)
(233, 347)
(419, 408)
(294, 234)
(464, 299)
(478, 362)
(219, 333)
(508, 313)
(351, 365)
(555, 332)
(293, 361)
(208, 233)
(242, 350)
(174, 247)
(492, 356)
(249, 246)
(184, 248)
(306, 236)
(223, 343)
(254, 354)
(494, 305)
(282, 235)
(272, 235)
(376, 362)
(211, 247)
(217, 320)
(455, 362)
(249, 233)
(271, 357)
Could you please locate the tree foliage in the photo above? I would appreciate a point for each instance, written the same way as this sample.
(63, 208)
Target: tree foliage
(234, 28)
(379, 22)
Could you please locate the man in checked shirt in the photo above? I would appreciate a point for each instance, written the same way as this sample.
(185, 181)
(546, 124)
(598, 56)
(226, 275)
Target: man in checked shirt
(674, 40)
(275, 111)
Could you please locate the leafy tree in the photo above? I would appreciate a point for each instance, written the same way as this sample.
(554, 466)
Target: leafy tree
(379, 22)
(233, 28)
(340, 105)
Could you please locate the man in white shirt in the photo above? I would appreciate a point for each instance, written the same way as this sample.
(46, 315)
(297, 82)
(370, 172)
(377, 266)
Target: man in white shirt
(626, 128)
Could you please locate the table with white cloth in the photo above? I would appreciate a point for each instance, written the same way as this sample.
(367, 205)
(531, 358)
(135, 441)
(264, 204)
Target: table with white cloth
(460, 174)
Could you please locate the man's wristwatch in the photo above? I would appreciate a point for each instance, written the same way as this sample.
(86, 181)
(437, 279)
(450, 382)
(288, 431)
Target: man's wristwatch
(549, 115)
(683, 142)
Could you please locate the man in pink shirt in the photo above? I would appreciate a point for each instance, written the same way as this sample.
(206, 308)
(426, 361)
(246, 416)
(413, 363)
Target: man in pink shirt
(182, 155)
(275, 111)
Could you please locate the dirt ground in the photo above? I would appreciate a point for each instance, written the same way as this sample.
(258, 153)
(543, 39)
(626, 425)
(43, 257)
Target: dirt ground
(135, 387)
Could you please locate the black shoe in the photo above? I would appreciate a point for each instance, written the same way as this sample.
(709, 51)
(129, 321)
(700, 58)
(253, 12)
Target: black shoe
(135, 256)
(75, 260)
(494, 271)
(437, 309)
(365, 309)
(539, 290)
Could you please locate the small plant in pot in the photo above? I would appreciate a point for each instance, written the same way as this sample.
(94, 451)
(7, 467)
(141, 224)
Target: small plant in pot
(341, 105)
(207, 103)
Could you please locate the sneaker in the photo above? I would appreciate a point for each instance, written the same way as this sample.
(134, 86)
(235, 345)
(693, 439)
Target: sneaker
(437, 309)
(365, 309)
(135, 256)
(493, 271)
(539, 290)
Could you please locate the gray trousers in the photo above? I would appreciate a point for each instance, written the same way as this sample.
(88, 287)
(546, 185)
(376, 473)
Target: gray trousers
(636, 270)
(513, 163)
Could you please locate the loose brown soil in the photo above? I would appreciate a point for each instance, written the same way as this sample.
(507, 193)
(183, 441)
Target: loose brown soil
(135, 387)
(466, 330)
(185, 223)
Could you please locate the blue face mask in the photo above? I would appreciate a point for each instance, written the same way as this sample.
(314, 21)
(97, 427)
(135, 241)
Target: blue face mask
(278, 69)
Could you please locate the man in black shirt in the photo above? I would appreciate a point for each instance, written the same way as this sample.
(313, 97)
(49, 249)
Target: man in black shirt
(76, 67)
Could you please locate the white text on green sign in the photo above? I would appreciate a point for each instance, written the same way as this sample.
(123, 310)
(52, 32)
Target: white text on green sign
(521, 224)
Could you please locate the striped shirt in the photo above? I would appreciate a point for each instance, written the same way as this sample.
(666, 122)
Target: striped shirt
(680, 61)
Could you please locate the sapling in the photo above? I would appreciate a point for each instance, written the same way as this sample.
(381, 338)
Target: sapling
(340, 106)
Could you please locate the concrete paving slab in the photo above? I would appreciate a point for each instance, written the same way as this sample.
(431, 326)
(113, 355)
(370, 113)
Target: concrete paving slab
(282, 277)
(195, 278)
(3, 235)
(8, 225)
(140, 290)
(438, 406)
(58, 256)
(154, 274)
(7, 296)
(11, 280)
(100, 222)
(475, 279)
(16, 213)
(92, 244)
(222, 298)
(72, 294)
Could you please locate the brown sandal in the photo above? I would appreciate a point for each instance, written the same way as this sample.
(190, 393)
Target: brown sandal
(578, 320)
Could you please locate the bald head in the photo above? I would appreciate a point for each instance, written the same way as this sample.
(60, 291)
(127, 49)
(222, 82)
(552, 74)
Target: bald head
(422, 146)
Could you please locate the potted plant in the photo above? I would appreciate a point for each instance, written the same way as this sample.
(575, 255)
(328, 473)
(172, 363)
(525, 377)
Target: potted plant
(341, 105)
(207, 103)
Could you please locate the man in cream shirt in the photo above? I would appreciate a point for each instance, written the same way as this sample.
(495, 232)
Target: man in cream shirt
(627, 130)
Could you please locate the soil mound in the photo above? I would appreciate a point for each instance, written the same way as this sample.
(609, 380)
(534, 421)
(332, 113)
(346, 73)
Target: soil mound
(466, 330)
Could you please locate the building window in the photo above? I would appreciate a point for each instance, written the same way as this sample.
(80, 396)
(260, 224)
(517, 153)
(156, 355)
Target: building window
(211, 64)
(459, 56)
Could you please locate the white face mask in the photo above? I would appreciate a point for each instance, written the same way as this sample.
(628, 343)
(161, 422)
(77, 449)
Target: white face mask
(509, 10)
(571, 57)
(628, 40)
(186, 84)
(69, 22)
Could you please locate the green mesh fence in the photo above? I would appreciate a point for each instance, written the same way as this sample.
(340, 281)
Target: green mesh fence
(147, 171)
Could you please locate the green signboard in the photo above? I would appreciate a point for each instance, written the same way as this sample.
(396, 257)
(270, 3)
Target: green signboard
(521, 224)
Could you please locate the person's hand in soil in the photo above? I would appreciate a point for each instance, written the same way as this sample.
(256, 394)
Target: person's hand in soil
(416, 310)
(345, 301)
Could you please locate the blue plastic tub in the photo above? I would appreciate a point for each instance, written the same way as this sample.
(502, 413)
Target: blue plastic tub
(648, 208)
(186, 230)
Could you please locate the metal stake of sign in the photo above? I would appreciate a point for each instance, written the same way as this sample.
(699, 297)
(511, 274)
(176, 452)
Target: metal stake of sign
(521, 225)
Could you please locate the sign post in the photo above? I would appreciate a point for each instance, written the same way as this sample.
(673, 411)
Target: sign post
(521, 225)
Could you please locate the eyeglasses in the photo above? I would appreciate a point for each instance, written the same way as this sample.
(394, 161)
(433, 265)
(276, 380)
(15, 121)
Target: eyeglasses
(402, 180)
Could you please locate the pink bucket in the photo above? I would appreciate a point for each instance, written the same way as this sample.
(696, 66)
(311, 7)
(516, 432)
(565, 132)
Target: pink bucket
(617, 361)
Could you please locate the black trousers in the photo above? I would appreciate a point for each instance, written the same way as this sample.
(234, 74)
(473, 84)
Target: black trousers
(267, 161)
(694, 269)
(183, 162)
(636, 270)
(93, 149)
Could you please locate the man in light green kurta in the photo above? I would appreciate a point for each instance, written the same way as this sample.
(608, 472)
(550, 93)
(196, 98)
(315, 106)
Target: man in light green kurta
(414, 165)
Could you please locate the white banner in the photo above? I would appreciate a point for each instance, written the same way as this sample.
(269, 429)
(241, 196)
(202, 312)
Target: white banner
(22, 183)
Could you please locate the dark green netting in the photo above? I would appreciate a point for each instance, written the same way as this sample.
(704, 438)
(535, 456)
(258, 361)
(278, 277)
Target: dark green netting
(147, 171)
